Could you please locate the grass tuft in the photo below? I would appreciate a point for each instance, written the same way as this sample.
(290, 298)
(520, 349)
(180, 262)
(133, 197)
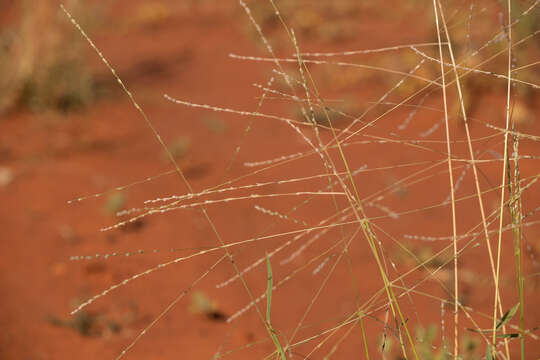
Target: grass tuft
(358, 200)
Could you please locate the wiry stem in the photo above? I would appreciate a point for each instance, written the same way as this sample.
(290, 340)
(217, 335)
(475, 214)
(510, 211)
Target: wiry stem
(452, 192)
(503, 181)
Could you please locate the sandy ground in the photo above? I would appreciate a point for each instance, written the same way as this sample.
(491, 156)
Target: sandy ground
(183, 51)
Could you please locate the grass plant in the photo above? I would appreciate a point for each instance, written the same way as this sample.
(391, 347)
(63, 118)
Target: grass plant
(347, 216)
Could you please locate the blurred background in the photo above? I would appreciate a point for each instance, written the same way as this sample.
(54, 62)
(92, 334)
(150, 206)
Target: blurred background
(69, 133)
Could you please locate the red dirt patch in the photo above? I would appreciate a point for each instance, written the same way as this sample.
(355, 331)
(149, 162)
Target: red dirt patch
(163, 47)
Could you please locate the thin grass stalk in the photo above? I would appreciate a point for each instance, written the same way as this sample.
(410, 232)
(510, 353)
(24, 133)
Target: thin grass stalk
(516, 213)
(364, 335)
(503, 181)
(452, 192)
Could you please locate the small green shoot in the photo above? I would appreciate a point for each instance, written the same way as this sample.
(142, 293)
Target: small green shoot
(268, 309)
(489, 352)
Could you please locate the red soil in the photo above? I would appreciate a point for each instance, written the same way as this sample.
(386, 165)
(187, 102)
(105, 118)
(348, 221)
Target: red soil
(184, 53)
